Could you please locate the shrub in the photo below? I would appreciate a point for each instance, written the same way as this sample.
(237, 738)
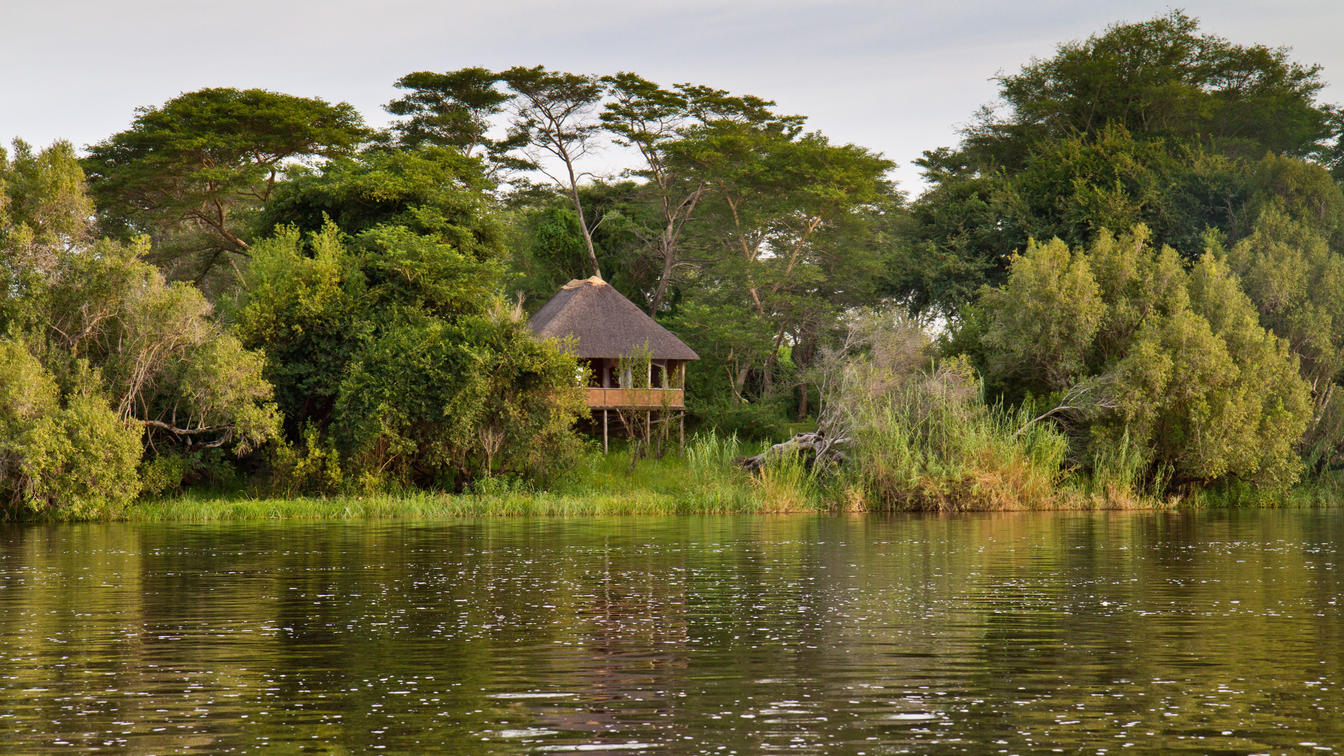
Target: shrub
(923, 436)
(75, 462)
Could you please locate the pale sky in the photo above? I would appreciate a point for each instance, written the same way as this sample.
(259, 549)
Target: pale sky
(896, 77)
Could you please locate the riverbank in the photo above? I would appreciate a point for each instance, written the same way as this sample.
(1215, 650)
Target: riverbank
(703, 481)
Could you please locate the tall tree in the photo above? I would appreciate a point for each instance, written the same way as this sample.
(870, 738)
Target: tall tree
(647, 117)
(191, 173)
(555, 119)
(1151, 122)
(128, 355)
(779, 205)
(454, 109)
(652, 120)
(1157, 78)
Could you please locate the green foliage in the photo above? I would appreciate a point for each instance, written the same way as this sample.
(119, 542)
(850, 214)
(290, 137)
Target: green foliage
(75, 460)
(430, 191)
(1046, 318)
(190, 172)
(1290, 272)
(107, 328)
(313, 468)
(392, 346)
(165, 473)
(302, 310)
(450, 109)
(1171, 362)
(1158, 78)
(44, 209)
(1148, 123)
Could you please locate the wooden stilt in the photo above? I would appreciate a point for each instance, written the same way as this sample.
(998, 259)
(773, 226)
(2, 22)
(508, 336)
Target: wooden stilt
(604, 432)
(681, 432)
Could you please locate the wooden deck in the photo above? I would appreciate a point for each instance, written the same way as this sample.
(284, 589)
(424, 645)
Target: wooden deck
(619, 398)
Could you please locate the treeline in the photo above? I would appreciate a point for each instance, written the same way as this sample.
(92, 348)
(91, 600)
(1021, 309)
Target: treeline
(1132, 264)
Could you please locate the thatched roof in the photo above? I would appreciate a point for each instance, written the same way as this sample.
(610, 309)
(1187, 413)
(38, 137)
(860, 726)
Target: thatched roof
(604, 323)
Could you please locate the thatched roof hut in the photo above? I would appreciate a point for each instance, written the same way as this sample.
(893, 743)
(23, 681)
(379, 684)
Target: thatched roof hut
(605, 327)
(605, 323)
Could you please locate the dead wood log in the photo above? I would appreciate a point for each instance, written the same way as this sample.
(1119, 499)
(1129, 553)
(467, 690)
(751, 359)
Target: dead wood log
(816, 448)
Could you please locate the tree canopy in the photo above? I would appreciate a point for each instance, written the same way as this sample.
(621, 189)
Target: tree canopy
(191, 172)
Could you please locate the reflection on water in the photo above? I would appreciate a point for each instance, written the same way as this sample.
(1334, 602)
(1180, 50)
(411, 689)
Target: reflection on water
(1010, 632)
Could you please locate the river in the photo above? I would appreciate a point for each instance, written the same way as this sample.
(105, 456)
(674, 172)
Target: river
(1220, 631)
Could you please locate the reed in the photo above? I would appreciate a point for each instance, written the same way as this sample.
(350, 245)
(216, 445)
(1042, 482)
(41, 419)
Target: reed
(703, 480)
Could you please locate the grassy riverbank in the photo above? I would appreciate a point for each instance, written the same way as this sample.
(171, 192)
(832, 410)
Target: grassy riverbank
(703, 481)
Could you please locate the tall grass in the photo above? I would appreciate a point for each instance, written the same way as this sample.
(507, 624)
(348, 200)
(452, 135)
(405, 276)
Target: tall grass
(915, 451)
(703, 480)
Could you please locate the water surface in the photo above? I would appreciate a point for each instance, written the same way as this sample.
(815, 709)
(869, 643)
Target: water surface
(987, 633)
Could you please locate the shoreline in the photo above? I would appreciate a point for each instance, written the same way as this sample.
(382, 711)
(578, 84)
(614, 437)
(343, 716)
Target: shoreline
(427, 506)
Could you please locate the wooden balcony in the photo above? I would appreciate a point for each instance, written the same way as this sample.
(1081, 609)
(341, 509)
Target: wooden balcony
(625, 398)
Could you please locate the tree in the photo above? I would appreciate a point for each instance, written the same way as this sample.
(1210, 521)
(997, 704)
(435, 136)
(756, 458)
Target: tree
(782, 227)
(451, 109)
(1294, 278)
(1150, 123)
(554, 117)
(431, 191)
(44, 208)
(74, 459)
(107, 328)
(191, 172)
(392, 345)
(166, 364)
(1165, 373)
(1156, 79)
(647, 117)
(1046, 318)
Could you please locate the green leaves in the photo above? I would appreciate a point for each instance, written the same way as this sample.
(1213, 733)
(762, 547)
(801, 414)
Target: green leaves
(1137, 351)
(1147, 123)
(391, 345)
(189, 173)
(74, 459)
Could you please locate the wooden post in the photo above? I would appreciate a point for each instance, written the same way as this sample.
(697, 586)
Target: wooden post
(681, 434)
(604, 431)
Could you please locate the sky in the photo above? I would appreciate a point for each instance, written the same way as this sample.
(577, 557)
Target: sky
(897, 77)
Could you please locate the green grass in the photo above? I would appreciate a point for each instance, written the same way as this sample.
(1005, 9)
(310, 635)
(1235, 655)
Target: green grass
(932, 472)
(702, 481)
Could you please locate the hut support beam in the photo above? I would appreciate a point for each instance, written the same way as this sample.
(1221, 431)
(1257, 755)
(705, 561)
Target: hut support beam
(604, 432)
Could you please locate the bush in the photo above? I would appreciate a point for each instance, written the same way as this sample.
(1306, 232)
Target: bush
(72, 462)
(315, 468)
(922, 435)
(1165, 376)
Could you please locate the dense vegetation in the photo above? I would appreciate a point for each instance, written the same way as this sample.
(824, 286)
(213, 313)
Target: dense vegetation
(1126, 283)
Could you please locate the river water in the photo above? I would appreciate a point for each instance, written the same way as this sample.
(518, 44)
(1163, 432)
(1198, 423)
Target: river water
(1208, 632)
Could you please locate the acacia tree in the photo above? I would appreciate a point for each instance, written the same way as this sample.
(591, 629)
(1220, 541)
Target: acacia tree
(653, 121)
(781, 204)
(647, 117)
(451, 109)
(191, 172)
(554, 118)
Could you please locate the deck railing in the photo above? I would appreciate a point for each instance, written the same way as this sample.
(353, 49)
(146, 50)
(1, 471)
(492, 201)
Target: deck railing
(631, 398)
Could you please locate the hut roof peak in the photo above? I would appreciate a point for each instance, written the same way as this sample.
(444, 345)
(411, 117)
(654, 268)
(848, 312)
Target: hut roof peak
(590, 281)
